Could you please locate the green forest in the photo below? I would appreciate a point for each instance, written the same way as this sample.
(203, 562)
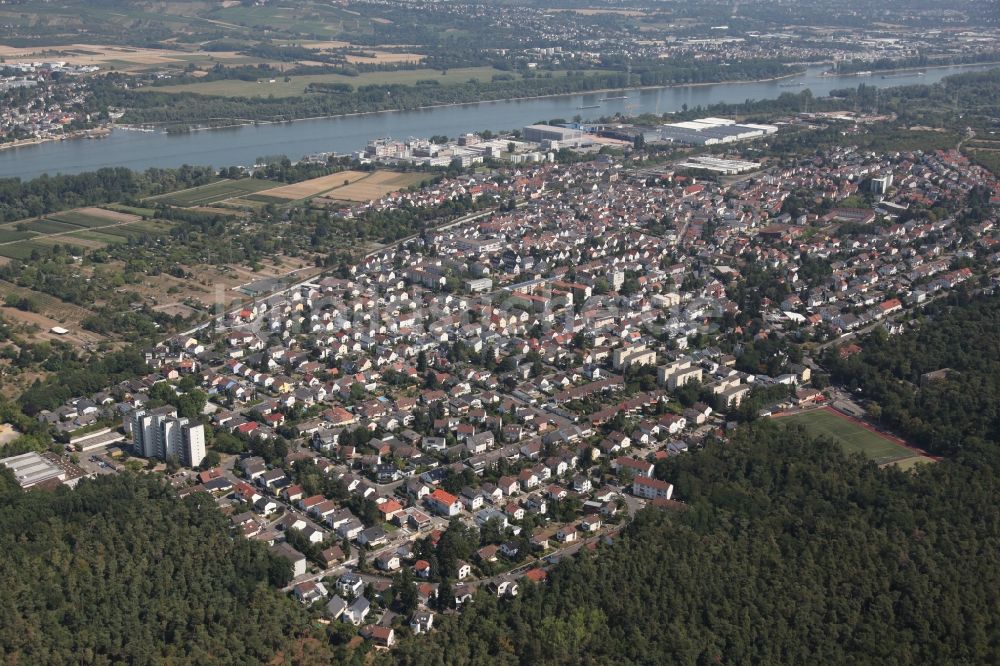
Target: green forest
(943, 415)
(120, 570)
(789, 552)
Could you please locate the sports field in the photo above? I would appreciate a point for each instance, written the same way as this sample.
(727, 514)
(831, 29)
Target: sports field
(852, 436)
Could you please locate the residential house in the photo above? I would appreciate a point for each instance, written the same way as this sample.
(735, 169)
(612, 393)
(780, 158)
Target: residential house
(651, 488)
(357, 611)
(297, 559)
(504, 587)
(422, 621)
(388, 561)
(444, 503)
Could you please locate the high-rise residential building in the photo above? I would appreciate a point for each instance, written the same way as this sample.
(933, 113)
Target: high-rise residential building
(158, 433)
(881, 184)
(194, 438)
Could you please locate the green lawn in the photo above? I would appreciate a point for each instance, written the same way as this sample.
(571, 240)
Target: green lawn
(297, 85)
(851, 436)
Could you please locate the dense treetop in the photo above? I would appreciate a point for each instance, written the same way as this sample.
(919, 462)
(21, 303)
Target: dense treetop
(790, 552)
(122, 571)
(942, 414)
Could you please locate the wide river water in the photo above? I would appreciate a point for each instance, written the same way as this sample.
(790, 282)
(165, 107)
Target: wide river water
(343, 134)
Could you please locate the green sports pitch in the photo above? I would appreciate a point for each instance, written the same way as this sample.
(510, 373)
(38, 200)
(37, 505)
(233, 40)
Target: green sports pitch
(850, 435)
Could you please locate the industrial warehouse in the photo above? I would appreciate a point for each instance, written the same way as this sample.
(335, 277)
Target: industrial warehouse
(712, 131)
(700, 132)
(41, 469)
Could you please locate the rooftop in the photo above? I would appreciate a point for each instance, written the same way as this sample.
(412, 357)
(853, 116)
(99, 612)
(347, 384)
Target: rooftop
(32, 468)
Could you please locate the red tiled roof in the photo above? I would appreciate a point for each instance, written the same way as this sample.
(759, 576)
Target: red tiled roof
(443, 497)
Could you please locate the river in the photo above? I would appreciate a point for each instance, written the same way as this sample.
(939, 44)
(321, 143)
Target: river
(343, 134)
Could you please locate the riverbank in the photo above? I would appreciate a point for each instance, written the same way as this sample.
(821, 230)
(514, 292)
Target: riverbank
(96, 133)
(344, 135)
(443, 105)
(903, 70)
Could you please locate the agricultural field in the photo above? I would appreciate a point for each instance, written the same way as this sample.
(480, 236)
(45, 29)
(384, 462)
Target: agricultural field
(312, 187)
(376, 185)
(125, 58)
(97, 236)
(134, 210)
(91, 217)
(230, 206)
(20, 250)
(70, 239)
(45, 226)
(212, 193)
(296, 85)
(854, 437)
(90, 228)
(372, 56)
(214, 210)
(152, 226)
(377, 57)
(256, 201)
(126, 231)
(9, 234)
(302, 18)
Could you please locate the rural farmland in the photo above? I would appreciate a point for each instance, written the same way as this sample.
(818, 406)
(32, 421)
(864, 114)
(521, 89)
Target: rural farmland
(315, 186)
(377, 184)
(212, 193)
(86, 227)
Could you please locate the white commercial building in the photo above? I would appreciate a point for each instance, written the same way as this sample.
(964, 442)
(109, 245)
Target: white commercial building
(712, 131)
(32, 468)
